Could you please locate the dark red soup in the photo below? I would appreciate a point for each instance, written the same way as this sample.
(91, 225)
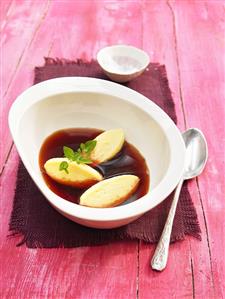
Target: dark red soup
(127, 161)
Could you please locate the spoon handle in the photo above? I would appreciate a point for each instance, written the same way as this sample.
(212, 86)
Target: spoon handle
(159, 259)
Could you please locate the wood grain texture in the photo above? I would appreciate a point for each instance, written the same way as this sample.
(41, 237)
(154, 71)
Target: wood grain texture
(105, 264)
(202, 75)
(97, 24)
(21, 27)
(162, 47)
(4, 12)
(187, 19)
(188, 37)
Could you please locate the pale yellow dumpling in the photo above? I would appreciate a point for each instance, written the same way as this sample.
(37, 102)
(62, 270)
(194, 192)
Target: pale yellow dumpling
(79, 175)
(110, 192)
(109, 143)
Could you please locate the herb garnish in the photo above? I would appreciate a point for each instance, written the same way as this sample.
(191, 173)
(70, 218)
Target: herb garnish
(64, 166)
(81, 156)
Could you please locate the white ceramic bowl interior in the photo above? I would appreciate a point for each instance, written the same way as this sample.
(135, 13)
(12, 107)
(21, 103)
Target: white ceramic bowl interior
(122, 63)
(87, 102)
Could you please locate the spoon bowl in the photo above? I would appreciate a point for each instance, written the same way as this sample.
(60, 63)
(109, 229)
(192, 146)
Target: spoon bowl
(196, 153)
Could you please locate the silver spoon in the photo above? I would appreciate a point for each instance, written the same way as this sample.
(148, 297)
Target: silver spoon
(196, 157)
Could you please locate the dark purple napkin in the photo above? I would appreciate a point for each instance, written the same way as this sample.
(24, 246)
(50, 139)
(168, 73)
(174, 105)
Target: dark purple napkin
(41, 226)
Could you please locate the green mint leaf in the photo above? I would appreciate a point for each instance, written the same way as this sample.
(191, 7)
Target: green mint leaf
(89, 146)
(76, 155)
(82, 146)
(81, 156)
(78, 159)
(64, 166)
(85, 160)
(69, 153)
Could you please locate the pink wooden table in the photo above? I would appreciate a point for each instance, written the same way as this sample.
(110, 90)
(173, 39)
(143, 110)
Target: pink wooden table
(186, 36)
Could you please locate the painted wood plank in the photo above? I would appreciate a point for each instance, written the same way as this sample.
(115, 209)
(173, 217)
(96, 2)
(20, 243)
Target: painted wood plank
(176, 281)
(202, 75)
(20, 28)
(112, 22)
(21, 25)
(4, 12)
(159, 42)
(199, 255)
(119, 260)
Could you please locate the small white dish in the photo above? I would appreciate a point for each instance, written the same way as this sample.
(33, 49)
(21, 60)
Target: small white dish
(122, 63)
(88, 102)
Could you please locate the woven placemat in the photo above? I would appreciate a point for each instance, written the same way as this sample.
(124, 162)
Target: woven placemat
(41, 226)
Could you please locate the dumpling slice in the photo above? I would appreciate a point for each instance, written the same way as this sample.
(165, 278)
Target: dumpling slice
(79, 175)
(110, 192)
(109, 143)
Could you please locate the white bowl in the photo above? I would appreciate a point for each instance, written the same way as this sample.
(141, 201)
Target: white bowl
(122, 63)
(87, 102)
